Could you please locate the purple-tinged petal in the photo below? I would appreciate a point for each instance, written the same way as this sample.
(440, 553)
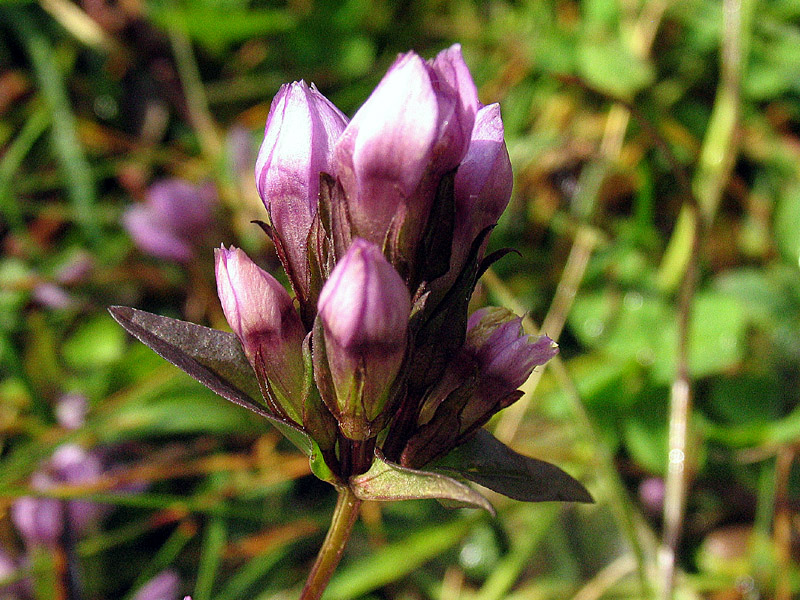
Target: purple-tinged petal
(301, 130)
(450, 67)
(482, 189)
(505, 354)
(261, 313)
(364, 309)
(387, 147)
(452, 79)
(484, 178)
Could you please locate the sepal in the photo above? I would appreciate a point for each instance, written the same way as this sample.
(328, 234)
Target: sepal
(439, 329)
(485, 460)
(386, 481)
(317, 419)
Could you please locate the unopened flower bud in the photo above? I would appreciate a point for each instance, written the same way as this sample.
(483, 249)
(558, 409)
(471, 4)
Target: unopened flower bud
(451, 76)
(261, 313)
(497, 358)
(364, 309)
(301, 129)
(412, 129)
(504, 353)
(483, 183)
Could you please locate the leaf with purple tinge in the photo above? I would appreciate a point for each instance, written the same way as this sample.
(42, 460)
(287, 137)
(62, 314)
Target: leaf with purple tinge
(386, 481)
(214, 358)
(485, 460)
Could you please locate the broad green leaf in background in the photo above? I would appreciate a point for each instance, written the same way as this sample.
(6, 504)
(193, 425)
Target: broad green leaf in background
(97, 343)
(186, 408)
(787, 223)
(216, 25)
(635, 327)
(610, 65)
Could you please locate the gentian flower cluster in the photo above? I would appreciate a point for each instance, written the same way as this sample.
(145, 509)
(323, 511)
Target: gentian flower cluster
(380, 223)
(371, 364)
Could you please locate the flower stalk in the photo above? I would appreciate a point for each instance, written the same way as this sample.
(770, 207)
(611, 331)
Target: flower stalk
(344, 517)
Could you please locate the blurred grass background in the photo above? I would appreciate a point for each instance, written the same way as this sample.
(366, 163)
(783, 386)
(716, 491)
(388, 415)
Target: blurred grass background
(656, 149)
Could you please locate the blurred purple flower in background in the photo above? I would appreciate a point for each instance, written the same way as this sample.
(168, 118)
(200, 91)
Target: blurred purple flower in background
(9, 568)
(51, 296)
(173, 220)
(71, 410)
(41, 521)
(164, 586)
(652, 491)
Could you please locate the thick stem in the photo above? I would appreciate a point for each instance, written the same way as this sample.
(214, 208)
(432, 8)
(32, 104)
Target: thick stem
(344, 517)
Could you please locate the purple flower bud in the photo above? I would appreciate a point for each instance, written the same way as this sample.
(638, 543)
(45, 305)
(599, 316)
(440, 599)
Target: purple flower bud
(175, 215)
(450, 76)
(364, 309)
(413, 128)
(163, 586)
(497, 357)
(261, 313)
(483, 182)
(504, 353)
(449, 65)
(301, 129)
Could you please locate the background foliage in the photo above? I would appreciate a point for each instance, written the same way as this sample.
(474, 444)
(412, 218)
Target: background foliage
(98, 100)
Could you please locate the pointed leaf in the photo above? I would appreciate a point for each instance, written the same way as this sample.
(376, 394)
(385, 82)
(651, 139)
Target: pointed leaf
(387, 481)
(214, 358)
(488, 462)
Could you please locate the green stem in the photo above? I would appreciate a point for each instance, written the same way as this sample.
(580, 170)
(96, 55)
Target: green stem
(344, 517)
